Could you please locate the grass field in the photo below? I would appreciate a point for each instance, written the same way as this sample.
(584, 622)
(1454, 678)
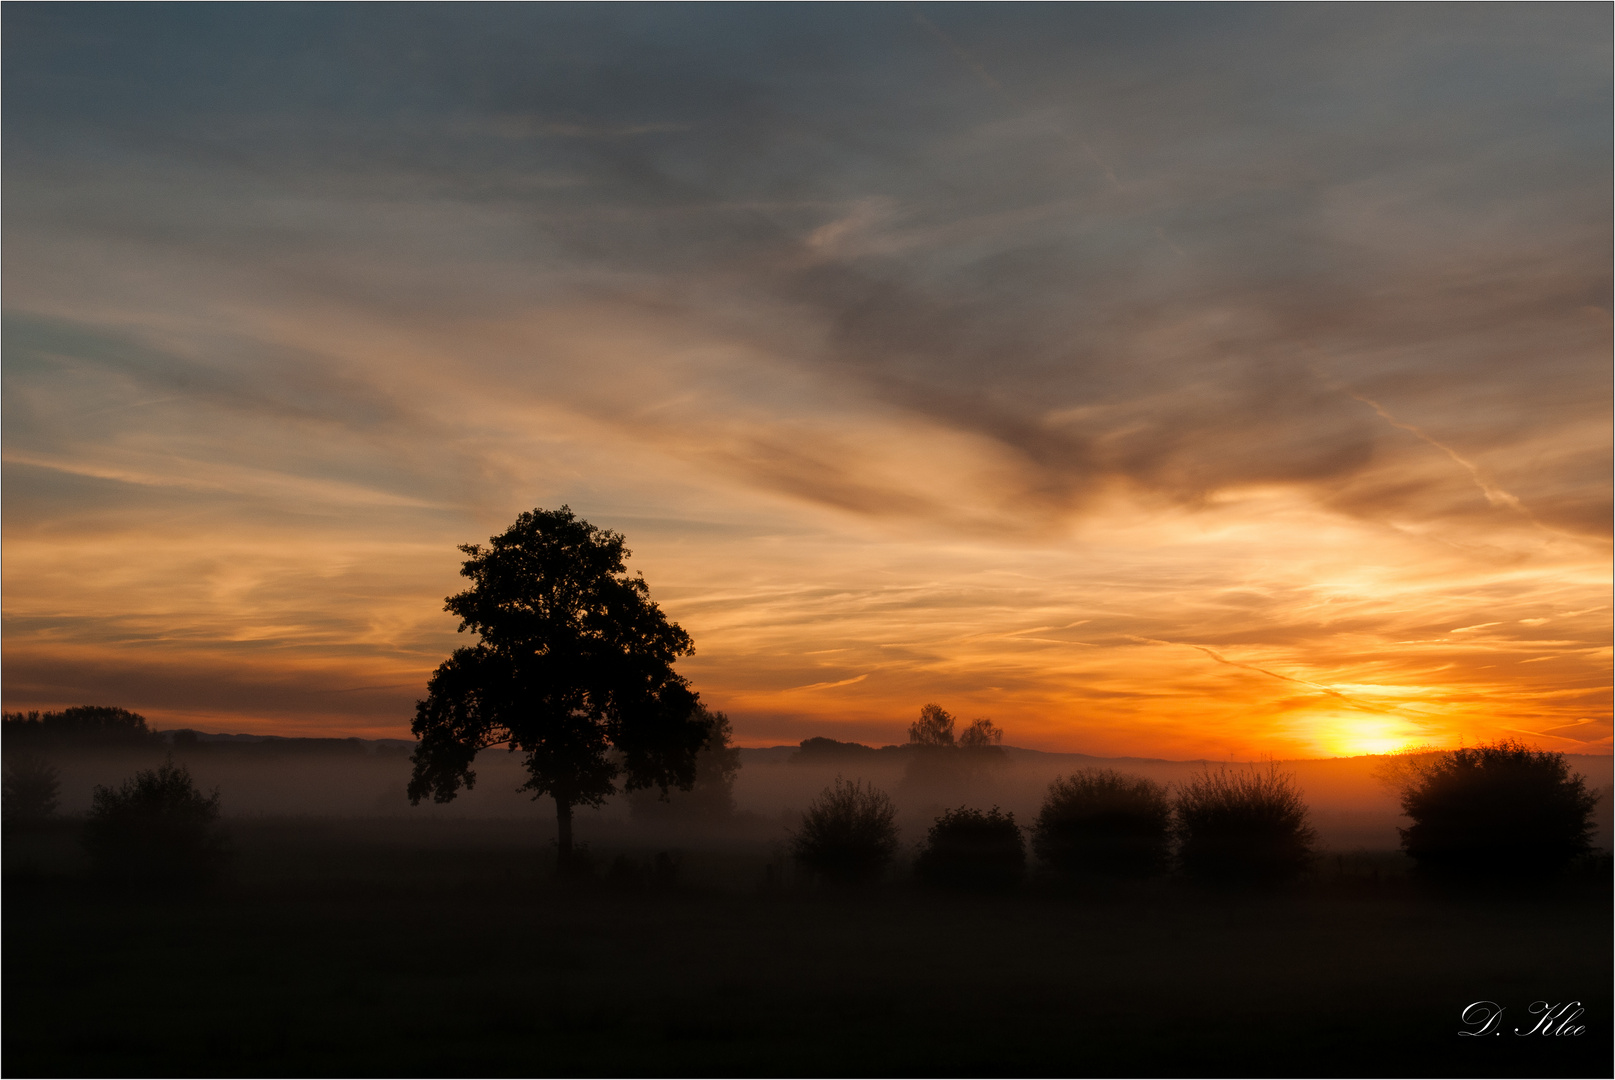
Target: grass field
(353, 948)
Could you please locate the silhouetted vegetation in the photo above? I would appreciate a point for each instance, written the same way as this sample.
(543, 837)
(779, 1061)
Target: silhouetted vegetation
(1102, 822)
(981, 734)
(848, 833)
(1505, 810)
(1242, 825)
(939, 762)
(155, 829)
(30, 789)
(575, 661)
(819, 748)
(81, 725)
(712, 795)
(934, 728)
(971, 849)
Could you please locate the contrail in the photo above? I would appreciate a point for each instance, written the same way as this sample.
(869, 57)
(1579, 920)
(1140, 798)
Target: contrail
(825, 685)
(1353, 702)
(1494, 494)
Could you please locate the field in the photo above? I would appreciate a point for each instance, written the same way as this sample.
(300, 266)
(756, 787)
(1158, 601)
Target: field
(448, 947)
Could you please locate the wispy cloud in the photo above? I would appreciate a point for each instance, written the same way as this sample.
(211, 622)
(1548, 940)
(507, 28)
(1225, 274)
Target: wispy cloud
(904, 342)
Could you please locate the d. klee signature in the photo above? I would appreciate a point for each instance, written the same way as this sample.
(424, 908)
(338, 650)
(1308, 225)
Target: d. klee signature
(1553, 1018)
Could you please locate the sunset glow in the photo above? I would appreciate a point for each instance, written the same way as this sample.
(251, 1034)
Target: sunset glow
(1148, 398)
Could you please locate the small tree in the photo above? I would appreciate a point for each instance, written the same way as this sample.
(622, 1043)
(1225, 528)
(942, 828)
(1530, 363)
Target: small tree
(575, 661)
(934, 728)
(848, 834)
(30, 789)
(1099, 821)
(1243, 825)
(1503, 810)
(981, 734)
(156, 828)
(969, 849)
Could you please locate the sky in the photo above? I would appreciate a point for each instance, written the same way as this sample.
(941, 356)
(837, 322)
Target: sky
(1171, 381)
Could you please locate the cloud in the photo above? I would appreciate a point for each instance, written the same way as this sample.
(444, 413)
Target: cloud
(1290, 333)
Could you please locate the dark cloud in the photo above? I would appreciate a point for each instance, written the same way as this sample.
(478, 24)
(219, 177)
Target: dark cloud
(1162, 223)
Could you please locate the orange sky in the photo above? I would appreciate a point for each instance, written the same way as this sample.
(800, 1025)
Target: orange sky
(1236, 415)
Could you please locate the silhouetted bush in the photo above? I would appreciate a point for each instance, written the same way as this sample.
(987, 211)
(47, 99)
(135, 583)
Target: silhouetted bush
(1504, 810)
(1099, 821)
(29, 791)
(1242, 825)
(848, 833)
(969, 849)
(155, 829)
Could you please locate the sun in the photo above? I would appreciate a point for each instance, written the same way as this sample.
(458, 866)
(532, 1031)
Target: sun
(1343, 736)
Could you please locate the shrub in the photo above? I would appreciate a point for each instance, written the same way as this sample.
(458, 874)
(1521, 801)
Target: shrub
(848, 833)
(1242, 825)
(969, 849)
(29, 792)
(1099, 821)
(155, 829)
(1504, 810)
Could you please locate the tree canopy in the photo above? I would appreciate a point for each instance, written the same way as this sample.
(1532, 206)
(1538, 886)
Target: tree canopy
(574, 669)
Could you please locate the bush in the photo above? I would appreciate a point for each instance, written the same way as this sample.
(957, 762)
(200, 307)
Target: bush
(1242, 825)
(1504, 810)
(155, 829)
(969, 849)
(29, 792)
(1099, 821)
(848, 833)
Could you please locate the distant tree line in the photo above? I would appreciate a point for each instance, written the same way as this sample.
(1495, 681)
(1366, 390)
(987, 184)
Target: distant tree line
(81, 725)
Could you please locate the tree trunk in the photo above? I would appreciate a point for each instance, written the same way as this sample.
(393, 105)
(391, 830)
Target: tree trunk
(563, 832)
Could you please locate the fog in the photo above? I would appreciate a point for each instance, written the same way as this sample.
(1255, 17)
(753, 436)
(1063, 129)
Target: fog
(1351, 807)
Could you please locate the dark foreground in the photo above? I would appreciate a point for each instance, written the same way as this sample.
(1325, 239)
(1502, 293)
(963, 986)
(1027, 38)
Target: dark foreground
(347, 950)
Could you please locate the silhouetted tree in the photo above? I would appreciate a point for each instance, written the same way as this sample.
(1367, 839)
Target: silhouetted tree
(156, 828)
(933, 728)
(970, 849)
(1503, 810)
(981, 734)
(1099, 821)
(940, 764)
(712, 796)
(848, 834)
(29, 791)
(91, 725)
(575, 661)
(1242, 825)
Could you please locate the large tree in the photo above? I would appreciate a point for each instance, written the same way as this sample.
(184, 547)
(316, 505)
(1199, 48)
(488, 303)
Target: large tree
(575, 662)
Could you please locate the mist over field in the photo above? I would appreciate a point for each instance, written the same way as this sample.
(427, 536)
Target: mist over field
(1351, 807)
